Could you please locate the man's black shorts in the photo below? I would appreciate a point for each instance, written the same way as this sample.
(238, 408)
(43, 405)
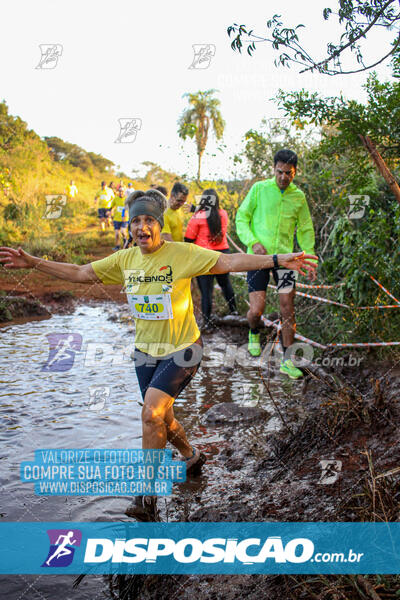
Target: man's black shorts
(258, 281)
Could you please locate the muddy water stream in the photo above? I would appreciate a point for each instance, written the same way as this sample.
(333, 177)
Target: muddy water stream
(42, 409)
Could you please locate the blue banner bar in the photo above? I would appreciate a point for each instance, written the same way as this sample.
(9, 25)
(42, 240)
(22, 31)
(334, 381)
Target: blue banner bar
(188, 548)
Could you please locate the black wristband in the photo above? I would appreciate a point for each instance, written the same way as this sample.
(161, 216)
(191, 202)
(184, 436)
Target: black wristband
(275, 259)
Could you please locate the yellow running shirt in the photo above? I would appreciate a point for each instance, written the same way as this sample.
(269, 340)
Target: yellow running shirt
(105, 197)
(173, 223)
(72, 190)
(158, 291)
(120, 212)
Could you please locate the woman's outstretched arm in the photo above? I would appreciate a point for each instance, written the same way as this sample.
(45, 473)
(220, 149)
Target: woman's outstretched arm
(298, 261)
(19, 259)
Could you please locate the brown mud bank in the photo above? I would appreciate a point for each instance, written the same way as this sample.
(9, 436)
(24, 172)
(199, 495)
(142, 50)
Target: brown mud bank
(26, 293)
(333, 454)
(40, 296)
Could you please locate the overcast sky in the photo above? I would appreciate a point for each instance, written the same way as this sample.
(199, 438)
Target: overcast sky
(128, 59)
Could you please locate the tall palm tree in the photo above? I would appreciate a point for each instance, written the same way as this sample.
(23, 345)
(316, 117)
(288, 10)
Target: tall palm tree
(195, 121)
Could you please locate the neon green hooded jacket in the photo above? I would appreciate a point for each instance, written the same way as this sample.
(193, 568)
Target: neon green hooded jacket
(270, 217)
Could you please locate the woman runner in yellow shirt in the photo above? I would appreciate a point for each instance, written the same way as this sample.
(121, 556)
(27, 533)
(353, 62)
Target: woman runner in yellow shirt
(168, 349)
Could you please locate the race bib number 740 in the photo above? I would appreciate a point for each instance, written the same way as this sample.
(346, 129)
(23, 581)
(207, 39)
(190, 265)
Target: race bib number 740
(153, 307)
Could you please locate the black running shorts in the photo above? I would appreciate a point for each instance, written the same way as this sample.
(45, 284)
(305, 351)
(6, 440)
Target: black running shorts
(171, 373)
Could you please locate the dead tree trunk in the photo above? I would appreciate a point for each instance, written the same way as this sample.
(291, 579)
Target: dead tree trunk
(382, 166)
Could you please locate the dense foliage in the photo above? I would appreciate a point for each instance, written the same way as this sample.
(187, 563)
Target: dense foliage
(76, 156)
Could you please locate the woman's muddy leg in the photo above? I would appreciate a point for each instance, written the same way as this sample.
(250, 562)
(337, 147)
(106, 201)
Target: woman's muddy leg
(154, 429)
(176, 434)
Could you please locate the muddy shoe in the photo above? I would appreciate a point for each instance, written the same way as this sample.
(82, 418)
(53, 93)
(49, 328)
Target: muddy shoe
(143, 508)
(254, 344)
(288, 368)
(195, 462)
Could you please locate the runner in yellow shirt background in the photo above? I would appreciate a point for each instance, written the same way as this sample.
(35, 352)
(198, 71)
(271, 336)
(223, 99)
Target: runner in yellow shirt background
(174, 215)
(120, 217)
(72, 190)
(104, 198)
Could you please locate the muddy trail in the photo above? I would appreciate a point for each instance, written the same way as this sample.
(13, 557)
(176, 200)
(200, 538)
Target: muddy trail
(265, 437)
(267, 466)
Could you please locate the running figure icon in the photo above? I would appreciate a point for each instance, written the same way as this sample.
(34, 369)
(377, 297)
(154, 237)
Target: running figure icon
(62, 549)
(62, 349)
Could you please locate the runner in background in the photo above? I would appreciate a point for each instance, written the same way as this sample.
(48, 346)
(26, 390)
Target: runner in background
(72, 190)
(129, 190)
(120, 218)
(266, 221)
(174, 215)
(207, 228)
(103, 200)
(113, 192)
(162, 189)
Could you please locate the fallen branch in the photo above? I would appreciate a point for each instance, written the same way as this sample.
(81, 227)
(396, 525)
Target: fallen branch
(368, 587)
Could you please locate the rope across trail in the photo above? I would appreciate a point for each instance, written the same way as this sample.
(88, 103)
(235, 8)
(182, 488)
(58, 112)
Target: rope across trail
(277, 324)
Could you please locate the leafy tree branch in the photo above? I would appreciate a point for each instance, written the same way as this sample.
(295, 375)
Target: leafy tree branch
(357, 18)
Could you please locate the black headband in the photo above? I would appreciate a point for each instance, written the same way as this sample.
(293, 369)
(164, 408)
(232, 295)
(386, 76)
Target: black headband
(147, 207)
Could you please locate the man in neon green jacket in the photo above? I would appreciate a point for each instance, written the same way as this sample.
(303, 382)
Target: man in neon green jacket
(266, 222)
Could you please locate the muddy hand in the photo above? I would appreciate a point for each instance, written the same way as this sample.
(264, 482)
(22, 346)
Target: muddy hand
(299, 261)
